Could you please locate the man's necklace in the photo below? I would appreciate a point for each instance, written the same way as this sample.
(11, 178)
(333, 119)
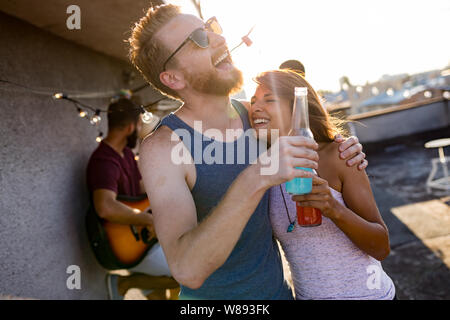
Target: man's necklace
(292, 223)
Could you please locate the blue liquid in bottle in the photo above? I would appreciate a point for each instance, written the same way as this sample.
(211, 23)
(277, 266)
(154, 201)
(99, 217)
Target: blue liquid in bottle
(299, 185)
(300, 127)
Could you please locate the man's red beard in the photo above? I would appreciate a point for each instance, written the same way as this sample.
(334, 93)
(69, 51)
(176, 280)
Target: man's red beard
(211, 83)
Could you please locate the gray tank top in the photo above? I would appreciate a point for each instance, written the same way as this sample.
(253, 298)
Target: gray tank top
(254, 269)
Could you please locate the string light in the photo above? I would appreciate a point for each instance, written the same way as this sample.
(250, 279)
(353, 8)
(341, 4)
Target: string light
(81, 112)
(96, 118)
(59, 95)
(77, 94)
(147, 117)
(99, 137)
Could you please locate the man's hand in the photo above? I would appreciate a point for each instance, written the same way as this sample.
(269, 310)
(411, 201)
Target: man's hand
(291, 152)
(110, 209)
(351, 150)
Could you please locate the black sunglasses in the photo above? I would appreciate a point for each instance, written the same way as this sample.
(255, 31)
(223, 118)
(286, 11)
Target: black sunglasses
(199, 37)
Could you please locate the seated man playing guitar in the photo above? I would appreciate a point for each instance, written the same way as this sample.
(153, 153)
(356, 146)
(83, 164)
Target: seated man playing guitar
(112, 170)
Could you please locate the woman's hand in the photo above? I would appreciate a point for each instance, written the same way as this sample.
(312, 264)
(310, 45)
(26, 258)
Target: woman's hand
(320, 197)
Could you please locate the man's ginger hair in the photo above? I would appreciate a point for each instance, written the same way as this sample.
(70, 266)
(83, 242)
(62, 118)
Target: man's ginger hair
(148, 53)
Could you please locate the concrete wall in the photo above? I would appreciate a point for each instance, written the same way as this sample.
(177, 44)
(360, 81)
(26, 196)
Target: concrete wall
(44, 149)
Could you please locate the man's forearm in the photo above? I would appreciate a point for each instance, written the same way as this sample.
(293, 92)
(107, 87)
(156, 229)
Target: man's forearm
(205, 248)
(120, 213)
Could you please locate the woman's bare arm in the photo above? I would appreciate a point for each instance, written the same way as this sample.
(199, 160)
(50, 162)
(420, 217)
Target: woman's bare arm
(360, 220)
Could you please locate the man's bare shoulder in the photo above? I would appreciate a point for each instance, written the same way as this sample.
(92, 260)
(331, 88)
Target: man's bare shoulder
(157, 145)
(160, 135)
(160, 139)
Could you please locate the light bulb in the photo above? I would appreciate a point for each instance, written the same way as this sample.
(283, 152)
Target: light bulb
(81, 113)
(99, 137)
(59, 95)
(96, 118)
(446, 95)
(147, 117)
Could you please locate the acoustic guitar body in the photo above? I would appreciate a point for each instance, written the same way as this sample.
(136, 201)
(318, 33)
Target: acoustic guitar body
(123, 242)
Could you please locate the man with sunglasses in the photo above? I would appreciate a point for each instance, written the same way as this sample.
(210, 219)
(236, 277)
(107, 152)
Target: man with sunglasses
(211, 219)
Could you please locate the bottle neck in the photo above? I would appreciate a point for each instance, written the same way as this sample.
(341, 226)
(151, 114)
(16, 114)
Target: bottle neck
(300, 115)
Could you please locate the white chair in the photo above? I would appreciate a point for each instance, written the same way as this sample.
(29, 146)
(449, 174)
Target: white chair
(444, 182)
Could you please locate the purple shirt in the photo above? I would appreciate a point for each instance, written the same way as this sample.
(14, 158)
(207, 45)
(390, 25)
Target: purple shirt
(108, 170)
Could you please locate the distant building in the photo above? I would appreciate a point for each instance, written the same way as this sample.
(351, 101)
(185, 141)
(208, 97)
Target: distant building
(388, 91)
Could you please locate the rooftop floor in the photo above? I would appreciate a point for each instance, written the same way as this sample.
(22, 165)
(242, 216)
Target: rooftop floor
(418, 221)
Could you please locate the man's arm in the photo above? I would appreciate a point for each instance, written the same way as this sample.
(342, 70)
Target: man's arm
(195, 250)
(351, 150)
(112, 210)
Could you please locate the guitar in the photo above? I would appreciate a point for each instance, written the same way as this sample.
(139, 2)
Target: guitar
(119, 246)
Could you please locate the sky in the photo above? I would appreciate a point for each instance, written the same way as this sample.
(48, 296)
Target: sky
(362, 40)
